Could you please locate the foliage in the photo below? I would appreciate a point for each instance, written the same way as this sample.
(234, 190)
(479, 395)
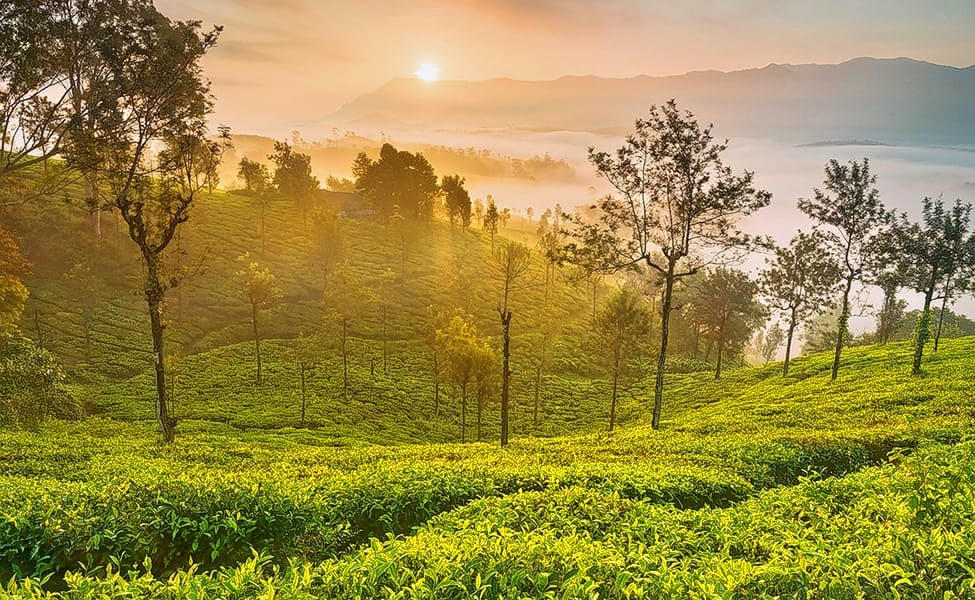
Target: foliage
(457, 199)
(32, 385)
(399, 182)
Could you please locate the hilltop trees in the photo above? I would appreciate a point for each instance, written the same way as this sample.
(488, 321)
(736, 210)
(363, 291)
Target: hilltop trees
(512, 265)
(929, 252)
(261, 293)
(346, 300)
(727, 305)
(618, 335)
(147, 147)
(850, 205)
(798, 280)
(399, 181)
(674, 209)
(458, 201)
(292, 175)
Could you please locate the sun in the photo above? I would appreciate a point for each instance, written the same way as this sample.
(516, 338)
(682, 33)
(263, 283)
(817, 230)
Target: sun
(428, 72)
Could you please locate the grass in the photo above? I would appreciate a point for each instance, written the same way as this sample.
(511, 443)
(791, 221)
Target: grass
(757, 485)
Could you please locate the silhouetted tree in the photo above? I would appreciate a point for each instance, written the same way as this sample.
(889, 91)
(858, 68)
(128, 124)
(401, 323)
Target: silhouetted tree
(512, 266)
(798, 280)
(674, 210)
(397, 181)
(458, 200)
(850, 205)
(618, 336)
(292, 175)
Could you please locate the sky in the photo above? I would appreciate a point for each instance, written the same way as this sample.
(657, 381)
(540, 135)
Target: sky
(283, 63)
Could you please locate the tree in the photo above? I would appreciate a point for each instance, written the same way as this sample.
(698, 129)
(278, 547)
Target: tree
(458, 200)
(529, 212)
(14, 267)
(399, 181)
(146, 146)
(799, 279)
(851, 206)
(459, 341)
(254, 174)
(260, 291)
(257, 181)
(492, 220)
(327, 240)
(549, 325)
(726, 301)
(771, 342)
(674, 210)
(891, 313)
(485, 380)
(618, 336)
(512, 265)
(292, 175)
(32, 385)
(346, 300)
(335, 184)
(37, 116)
(929, 253)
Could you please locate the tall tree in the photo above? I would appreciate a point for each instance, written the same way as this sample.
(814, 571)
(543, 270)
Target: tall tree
(675, 209)
(261, 293)
(146, 145)
(460, 343)
(771, 341)
(727, 302)
(14, 267)
(399, 181)
(891, 312)
(512, 266)
(799, 279)
(292, 175)
(257, 181)
(346, 301)
(618, 336)
(850, 205)
(492, 219)
(928, 251)
(458, 201)
(306, 355)
(549, 325)
(485, 381)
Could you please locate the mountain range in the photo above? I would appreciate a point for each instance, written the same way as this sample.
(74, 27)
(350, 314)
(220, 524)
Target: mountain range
(896, 100)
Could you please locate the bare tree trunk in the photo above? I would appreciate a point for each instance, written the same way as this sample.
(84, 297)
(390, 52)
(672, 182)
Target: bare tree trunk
(941, 321)
(788, 343)
(717, 365)
(505, 371)
(842, 328)
(257, 341)
(154, 299)
(658, 388)
(923, 331)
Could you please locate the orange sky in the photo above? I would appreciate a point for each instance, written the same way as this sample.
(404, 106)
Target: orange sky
(284, 63)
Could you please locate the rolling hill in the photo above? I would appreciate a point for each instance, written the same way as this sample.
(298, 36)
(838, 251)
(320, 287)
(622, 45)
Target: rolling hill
(901, 101)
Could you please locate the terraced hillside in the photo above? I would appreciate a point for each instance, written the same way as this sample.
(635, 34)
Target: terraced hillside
(758, 486)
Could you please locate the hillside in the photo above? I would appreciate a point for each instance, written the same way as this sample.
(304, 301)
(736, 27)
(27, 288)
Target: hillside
(900, 101)
(757, 486)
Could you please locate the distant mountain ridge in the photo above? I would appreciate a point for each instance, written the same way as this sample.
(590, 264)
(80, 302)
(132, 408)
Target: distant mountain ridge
(898, 100)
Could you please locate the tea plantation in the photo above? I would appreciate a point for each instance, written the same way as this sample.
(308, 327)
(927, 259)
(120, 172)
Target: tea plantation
(756, 486)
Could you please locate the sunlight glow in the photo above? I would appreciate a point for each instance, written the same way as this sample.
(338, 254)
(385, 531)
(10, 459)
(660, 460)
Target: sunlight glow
(428, 72)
